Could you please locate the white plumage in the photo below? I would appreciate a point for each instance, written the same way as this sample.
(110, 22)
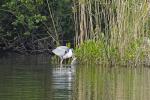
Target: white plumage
(63, 52)
(60, 51)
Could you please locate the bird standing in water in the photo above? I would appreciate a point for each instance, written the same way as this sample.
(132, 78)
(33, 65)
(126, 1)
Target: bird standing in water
(64, 52)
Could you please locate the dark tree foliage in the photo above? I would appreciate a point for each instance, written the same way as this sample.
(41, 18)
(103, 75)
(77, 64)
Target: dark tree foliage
(28, 25)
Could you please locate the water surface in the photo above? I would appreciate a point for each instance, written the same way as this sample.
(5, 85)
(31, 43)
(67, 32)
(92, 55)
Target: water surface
(34, 78)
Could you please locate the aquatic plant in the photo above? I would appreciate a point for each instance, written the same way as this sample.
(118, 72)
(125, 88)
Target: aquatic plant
(114, 27)
(90, 50)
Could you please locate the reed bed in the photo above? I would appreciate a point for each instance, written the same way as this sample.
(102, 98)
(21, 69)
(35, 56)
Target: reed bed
(111, 30)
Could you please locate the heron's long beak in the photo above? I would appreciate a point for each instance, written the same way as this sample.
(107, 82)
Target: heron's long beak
(74, 60)
(73, 56)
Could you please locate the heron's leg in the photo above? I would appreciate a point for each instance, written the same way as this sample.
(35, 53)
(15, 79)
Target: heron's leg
(61, 61)
(60, 65)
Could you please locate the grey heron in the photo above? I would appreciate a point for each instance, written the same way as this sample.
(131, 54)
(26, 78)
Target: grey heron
(64, 52)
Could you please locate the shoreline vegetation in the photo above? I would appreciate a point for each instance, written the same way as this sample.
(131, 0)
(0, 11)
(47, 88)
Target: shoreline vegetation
(100, 31)
(137, 53)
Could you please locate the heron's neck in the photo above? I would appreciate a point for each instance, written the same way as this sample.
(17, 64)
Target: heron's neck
(68, 54)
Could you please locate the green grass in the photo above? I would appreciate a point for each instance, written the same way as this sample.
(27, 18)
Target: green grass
(97, 52)
(90, 51)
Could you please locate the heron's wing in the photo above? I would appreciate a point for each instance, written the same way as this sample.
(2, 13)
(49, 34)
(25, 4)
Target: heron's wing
(60, 51)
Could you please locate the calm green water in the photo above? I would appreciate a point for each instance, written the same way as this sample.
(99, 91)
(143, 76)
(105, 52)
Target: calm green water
(33, 78)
